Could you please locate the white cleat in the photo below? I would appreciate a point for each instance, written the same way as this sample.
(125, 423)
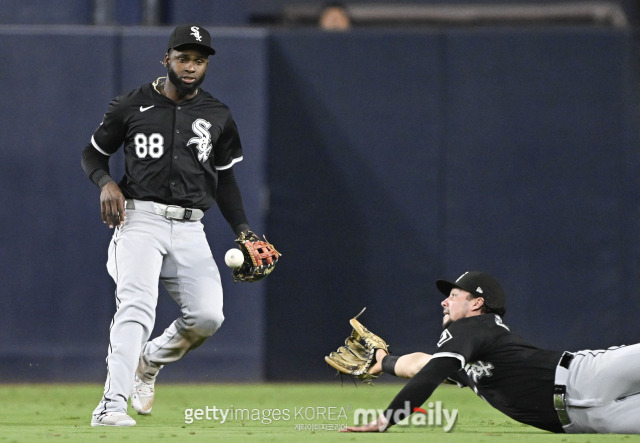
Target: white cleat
(142, 396)
(112, 419)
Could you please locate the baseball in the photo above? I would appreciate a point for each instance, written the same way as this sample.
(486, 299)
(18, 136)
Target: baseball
(234, 258)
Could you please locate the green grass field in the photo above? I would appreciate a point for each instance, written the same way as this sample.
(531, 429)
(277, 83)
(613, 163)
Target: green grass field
(303, 412)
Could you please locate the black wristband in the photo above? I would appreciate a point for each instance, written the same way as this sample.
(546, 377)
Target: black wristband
(106, 178)
(243, 227)
(389, 364)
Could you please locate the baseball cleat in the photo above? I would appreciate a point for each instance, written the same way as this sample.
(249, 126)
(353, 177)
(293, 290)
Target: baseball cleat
(142, 396)
(112, 419)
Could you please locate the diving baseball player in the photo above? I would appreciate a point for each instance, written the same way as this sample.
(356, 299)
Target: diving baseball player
(590, 391)
(180, 146)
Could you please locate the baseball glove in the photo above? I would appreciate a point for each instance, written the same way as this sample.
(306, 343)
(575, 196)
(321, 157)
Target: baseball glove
(358, 353)
(260, 258)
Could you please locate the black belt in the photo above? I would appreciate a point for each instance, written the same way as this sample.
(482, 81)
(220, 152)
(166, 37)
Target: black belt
(560, 392)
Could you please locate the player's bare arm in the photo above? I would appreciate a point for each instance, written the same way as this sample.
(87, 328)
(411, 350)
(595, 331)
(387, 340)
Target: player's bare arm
(410, 364)
(112, 204)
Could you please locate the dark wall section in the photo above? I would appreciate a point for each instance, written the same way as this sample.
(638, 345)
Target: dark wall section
(353, 168)
(411, 157)
(45, 12)
(55, 303)
(538, 175)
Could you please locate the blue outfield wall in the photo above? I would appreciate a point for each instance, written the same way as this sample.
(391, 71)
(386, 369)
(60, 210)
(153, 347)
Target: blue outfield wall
(376, 160)
(354, 179)
(542, 179)
(401, 157)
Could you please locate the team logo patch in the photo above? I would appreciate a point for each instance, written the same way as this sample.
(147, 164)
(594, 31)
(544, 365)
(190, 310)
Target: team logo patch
(195, 31)
(203, 140)
(444, 337)
(478, 369)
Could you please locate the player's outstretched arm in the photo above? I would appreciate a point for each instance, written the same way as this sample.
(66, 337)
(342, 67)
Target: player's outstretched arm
(414, 394)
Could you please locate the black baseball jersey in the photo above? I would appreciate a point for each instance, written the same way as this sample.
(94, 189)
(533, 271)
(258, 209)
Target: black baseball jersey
(173, 151)
(514, 376)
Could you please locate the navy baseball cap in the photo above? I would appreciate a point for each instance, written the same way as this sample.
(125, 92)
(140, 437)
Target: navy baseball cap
(479, 284)
(194, 35)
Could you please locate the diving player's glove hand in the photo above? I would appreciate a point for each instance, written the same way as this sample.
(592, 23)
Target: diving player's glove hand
(260, 258)
(357, 356)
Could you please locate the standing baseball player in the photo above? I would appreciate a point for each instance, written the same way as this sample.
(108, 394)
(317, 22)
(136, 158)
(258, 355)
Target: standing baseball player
(590, 391)
(180, 145)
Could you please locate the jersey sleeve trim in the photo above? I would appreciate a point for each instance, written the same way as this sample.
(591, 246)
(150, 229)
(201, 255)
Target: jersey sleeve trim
(455, 382)
(95, 145)
(450, 354)
(233, 162)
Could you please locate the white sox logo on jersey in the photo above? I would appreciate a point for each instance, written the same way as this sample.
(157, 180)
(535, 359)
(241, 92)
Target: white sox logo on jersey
(203, 141)
(195, 31)
(478, 369)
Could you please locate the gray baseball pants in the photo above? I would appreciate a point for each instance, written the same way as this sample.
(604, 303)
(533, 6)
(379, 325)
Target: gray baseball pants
(603, 390)
(148, 248)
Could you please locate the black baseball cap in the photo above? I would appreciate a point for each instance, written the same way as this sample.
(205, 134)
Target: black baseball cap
(194, 35)
(479, 284)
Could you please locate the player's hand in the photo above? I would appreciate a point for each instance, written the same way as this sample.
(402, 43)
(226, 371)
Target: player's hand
(379, 425)
(112, 205)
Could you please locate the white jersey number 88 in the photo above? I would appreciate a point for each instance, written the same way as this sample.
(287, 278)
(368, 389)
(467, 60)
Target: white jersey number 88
(152, 145)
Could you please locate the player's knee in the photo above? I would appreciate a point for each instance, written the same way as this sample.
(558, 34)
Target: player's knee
(207, 324)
